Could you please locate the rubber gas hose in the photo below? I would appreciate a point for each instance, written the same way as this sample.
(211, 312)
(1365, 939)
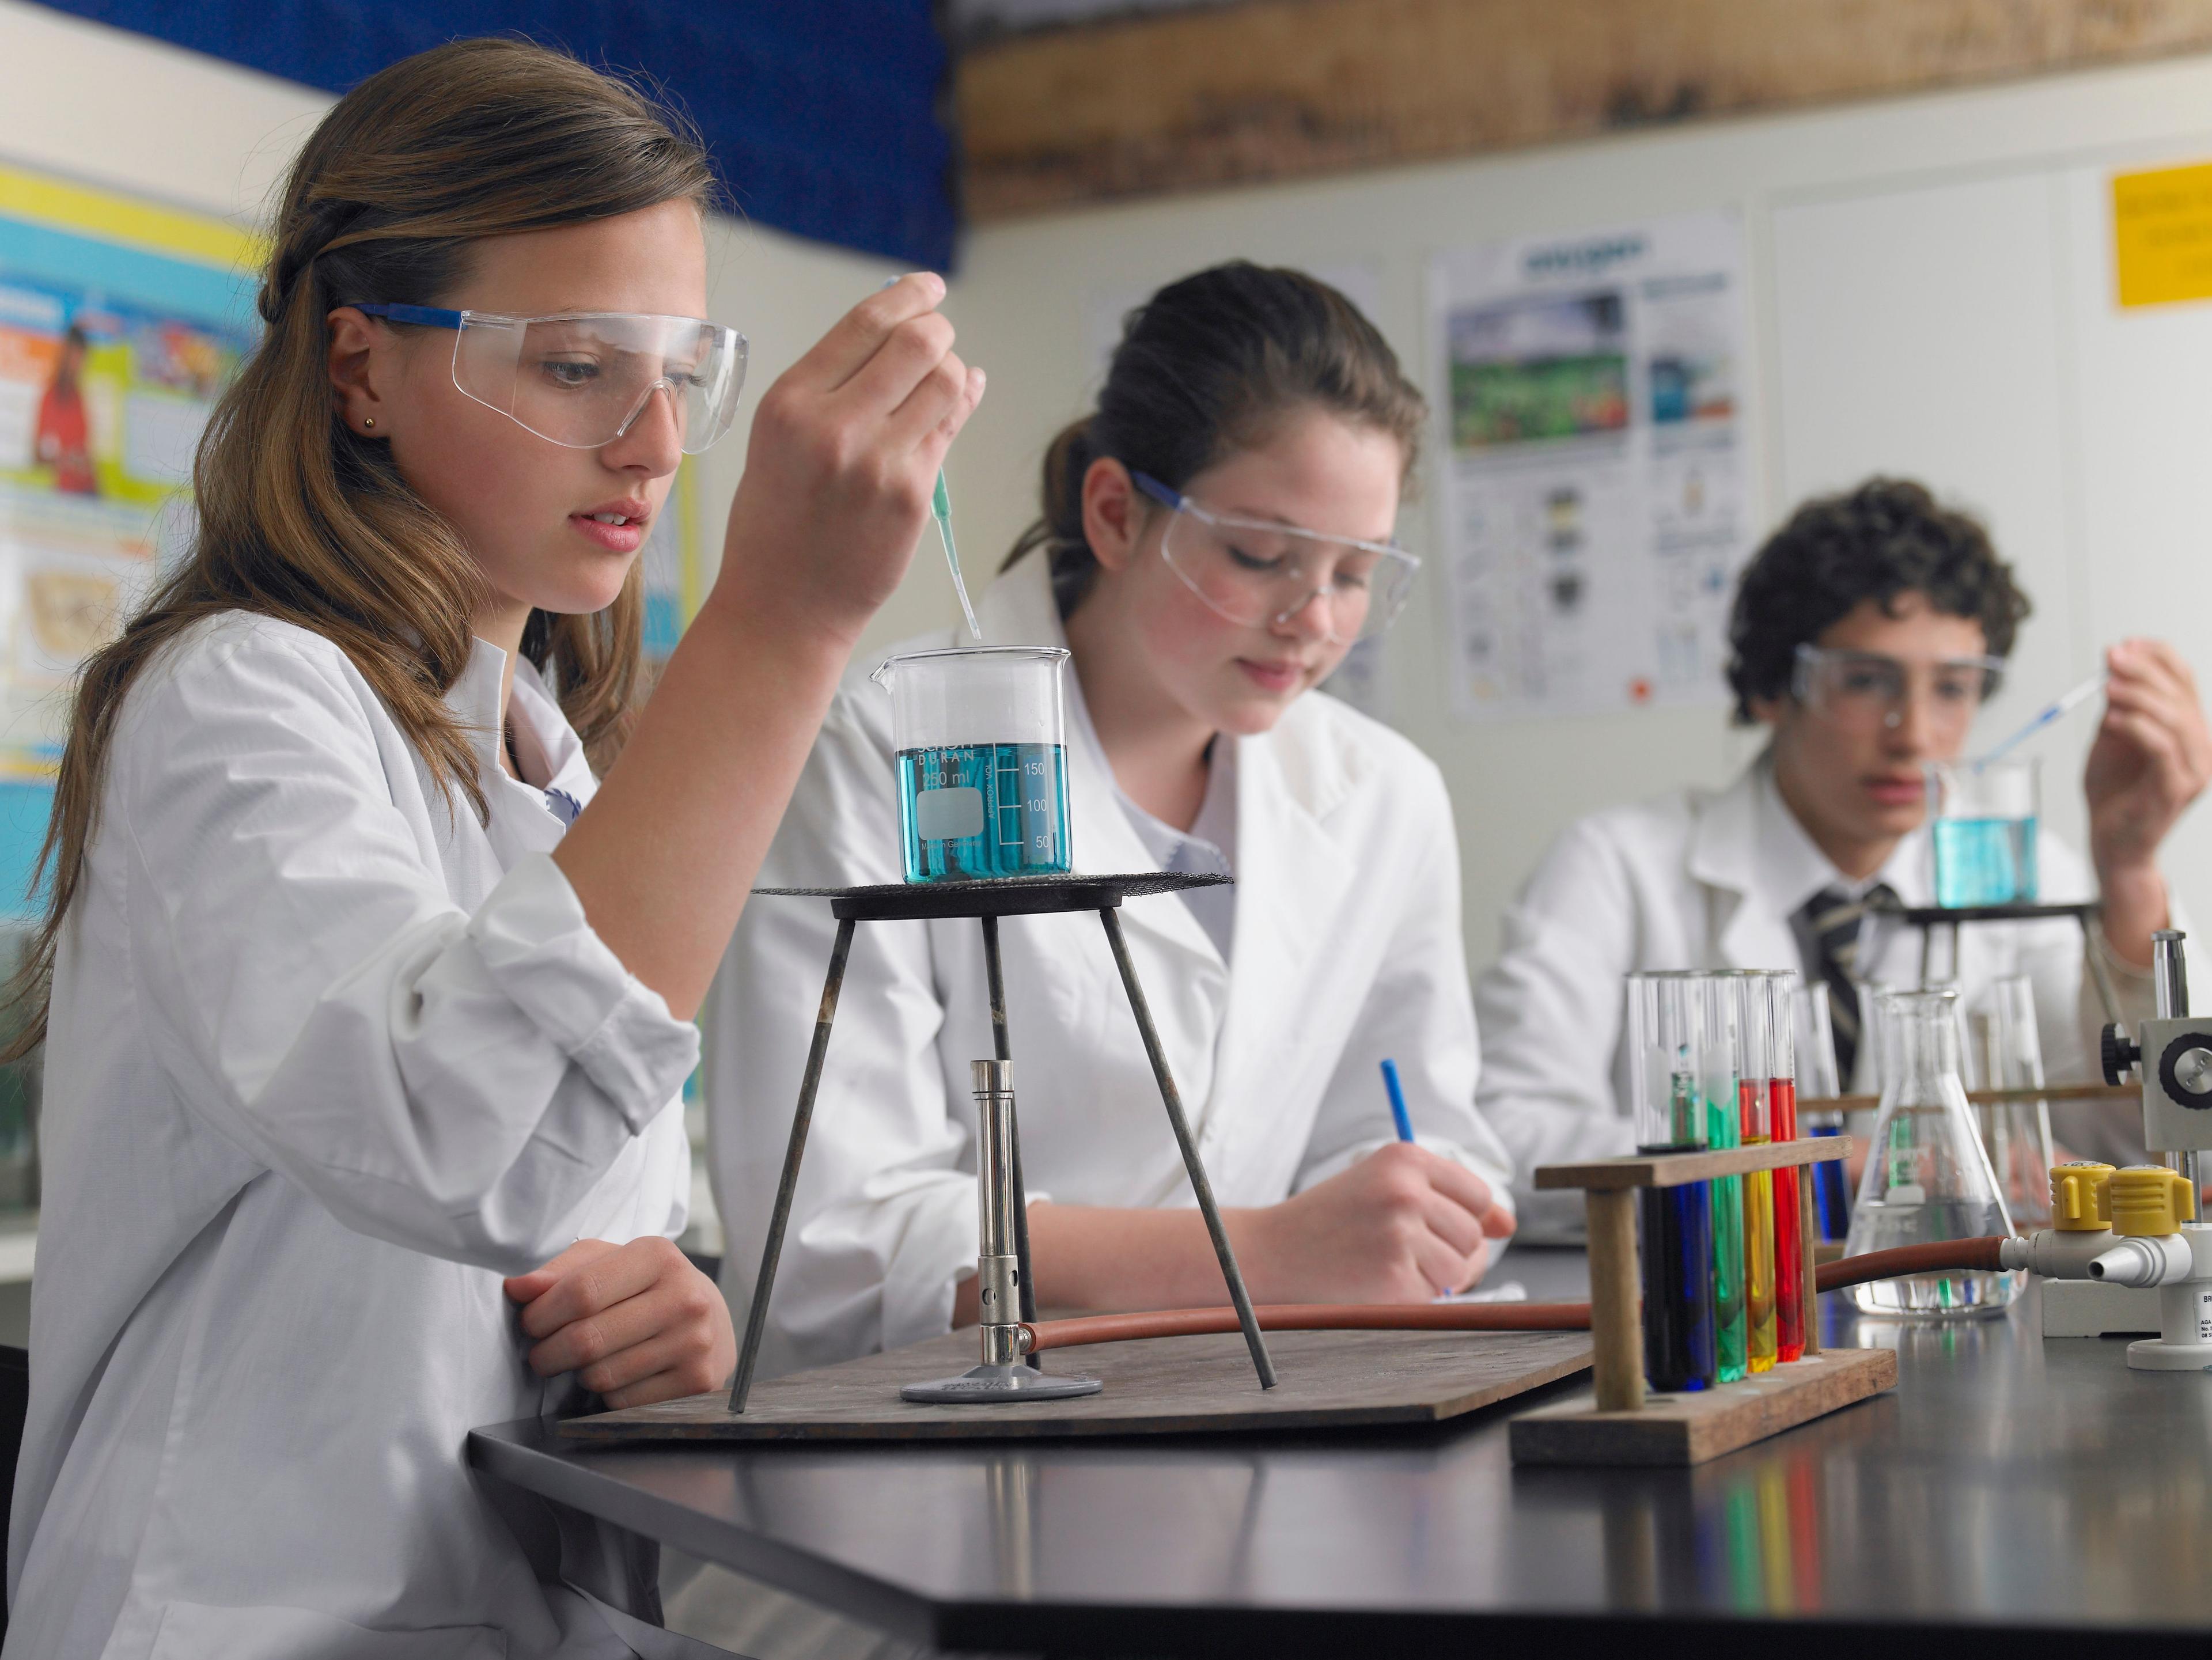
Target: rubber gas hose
(1038, 1335)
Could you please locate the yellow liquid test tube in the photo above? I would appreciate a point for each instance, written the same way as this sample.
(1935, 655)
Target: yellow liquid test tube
(1763, 1337)
(1755, 1040)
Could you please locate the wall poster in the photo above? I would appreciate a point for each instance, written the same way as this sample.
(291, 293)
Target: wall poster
(1593, 512)
(120, 321)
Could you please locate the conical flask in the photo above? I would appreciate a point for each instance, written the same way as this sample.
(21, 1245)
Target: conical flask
(1927, 1177)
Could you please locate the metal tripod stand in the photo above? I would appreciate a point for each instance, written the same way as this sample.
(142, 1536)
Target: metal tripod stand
(987, 901)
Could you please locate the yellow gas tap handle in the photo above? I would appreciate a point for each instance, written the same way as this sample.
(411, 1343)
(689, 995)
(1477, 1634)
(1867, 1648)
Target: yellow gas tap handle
(2150, 1199)
(2081, 1196)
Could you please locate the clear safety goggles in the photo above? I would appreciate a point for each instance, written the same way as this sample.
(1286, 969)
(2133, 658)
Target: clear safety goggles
(1263, 575)
(582, 379)
(1866, 689)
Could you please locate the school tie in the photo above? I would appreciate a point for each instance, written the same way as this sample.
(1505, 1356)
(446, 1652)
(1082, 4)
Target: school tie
(1832, 922)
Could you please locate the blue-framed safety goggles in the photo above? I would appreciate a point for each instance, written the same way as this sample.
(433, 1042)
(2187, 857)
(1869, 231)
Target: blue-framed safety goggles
(582, 379)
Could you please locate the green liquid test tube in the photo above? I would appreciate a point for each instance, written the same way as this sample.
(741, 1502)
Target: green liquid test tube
(1730, 1326)
(1716, 1026)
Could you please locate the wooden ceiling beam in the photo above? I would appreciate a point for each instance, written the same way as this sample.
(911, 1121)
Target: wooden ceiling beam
(1274, 89)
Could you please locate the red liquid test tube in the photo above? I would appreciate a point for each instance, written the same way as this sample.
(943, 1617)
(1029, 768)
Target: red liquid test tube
(1789, 1236)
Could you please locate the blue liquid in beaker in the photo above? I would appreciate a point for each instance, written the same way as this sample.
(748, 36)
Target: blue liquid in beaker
(1984, 861)
(975, 811)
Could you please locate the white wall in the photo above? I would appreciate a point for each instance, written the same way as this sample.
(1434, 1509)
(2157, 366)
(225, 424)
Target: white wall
(1931, 296)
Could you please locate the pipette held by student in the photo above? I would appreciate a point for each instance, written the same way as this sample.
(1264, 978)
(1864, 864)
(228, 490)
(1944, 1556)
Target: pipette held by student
(2050, 712)
(940, 507)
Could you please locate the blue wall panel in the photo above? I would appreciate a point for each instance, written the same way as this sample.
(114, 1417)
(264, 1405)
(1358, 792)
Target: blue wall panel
(822, 114)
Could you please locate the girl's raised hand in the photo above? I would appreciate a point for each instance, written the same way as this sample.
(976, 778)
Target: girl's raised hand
(844, 454)
(843, 459)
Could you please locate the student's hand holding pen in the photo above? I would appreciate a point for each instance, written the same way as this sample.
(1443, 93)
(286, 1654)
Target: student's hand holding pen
(636, 1324)
(1399, 1225)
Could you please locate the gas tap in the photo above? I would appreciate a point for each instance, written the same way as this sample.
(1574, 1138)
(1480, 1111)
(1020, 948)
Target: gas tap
(2140, 1225)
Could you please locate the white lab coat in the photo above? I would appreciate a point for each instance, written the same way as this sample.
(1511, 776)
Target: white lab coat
(1702, 879)
(1347, 950)
(326, 1059)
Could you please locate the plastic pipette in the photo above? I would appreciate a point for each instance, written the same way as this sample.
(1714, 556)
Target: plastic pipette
(940, 507)
(2044, 716)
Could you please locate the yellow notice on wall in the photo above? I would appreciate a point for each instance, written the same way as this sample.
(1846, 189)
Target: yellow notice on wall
(2162, 235)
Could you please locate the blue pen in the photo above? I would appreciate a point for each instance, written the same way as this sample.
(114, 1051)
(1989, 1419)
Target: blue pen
(1398, 1113)
(1404, 1121)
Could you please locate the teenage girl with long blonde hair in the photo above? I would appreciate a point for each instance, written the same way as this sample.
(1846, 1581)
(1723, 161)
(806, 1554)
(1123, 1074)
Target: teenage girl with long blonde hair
(362, 1058)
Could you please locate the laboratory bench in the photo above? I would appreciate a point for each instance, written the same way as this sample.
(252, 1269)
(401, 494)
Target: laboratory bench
(2010, 1489)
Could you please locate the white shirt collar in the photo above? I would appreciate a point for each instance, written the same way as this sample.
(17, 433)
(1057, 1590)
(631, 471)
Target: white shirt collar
(555, 771)
(551, 754)
(1792, 869)
(1202, 848)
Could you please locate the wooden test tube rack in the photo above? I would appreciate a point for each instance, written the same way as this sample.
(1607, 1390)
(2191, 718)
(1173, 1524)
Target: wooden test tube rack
(1627, 1426)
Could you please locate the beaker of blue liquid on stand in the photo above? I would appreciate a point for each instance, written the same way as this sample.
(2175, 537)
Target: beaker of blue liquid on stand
(982, 761)
(1675, 1223)
(1982, 818)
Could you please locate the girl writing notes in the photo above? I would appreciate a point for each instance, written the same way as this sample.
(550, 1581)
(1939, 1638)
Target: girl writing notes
(1214, 538)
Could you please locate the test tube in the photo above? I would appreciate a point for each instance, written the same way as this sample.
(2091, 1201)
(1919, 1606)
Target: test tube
(1816, 1061)
(1713, 1018)
(1754, 1085)
(1781, 1114)
(1676, 1248)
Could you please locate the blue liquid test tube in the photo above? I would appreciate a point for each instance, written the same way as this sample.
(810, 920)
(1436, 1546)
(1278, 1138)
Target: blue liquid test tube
(1675, 1223)
(1818, 1080)
(1832, 1199)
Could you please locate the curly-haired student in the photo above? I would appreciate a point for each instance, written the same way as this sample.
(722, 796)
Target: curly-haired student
(1866, 634)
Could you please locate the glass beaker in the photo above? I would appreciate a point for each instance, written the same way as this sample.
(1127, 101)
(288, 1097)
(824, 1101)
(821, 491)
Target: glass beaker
(1927, 1178)
(2016, 1134)
(983, 765)
(1983, 816)
(1676, 1224)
